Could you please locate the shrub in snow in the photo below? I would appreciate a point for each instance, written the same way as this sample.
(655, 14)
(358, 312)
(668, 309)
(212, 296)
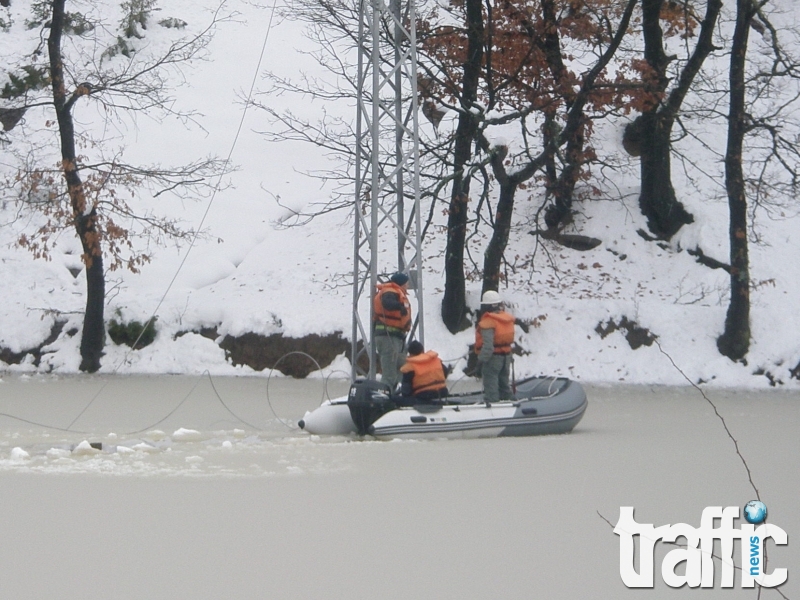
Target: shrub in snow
(134, 333)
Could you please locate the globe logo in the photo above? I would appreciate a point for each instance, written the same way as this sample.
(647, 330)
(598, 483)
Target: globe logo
(755, 512)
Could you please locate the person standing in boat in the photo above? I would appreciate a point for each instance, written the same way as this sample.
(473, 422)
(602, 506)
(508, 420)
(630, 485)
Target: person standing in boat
(392, 320)
(423, 376)
(494, 337)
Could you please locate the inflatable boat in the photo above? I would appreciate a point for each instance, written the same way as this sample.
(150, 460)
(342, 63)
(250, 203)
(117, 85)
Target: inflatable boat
(541, 406)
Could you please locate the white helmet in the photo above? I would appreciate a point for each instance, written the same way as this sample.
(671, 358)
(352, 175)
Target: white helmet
(491, 297)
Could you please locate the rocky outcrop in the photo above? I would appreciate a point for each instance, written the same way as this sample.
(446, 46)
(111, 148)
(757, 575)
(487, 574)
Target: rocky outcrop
(291, 356)
(15, 358)
(635, 335)
(581, 243)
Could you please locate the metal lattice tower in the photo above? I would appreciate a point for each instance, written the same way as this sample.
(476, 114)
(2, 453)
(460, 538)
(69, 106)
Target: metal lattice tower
(386, 203)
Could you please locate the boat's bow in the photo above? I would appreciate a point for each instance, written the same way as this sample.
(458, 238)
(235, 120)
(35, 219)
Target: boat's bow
(332, 417)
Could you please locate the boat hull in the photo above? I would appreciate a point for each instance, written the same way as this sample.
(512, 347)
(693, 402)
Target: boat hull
(545, 415)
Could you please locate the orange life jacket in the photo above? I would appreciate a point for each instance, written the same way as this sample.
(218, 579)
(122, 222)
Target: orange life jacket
(428, 372)
(392, 318)
(503, 325)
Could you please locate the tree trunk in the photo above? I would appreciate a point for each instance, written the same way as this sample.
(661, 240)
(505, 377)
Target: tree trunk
(657, 196)
(93, 338)
(85, 218)
(657, 200)
(653, 129)
(560, 187)
(493, 258)
(735, 339)
(559, 212)
(454, 304)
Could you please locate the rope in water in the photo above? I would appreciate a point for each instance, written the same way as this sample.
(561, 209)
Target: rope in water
(199, 228)
(200, 379)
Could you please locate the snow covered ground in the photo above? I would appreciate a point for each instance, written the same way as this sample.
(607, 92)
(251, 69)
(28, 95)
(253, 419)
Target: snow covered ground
(251, 274)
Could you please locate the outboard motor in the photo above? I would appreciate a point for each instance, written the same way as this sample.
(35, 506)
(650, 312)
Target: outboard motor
(368, 401)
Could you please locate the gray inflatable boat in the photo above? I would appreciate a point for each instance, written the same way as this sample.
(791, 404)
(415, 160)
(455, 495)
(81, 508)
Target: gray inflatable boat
(541, 406)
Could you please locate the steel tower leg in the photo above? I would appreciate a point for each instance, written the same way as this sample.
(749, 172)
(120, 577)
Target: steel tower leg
(386, 203)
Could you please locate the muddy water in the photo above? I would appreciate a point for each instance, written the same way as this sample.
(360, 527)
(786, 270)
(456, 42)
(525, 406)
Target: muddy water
(199, 488)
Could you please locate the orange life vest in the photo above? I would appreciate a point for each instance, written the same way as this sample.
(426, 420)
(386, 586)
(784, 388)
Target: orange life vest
(428, 372)
(392, 318)
(503, 325)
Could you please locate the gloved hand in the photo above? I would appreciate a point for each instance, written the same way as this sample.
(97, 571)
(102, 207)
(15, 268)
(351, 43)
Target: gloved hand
(474, 371)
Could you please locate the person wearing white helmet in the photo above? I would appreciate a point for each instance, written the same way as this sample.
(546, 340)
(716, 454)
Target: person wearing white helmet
(494, 337)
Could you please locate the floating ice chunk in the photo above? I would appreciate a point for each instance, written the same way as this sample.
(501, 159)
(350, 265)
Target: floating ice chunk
(239, 433)
(84, 449)
(227, 445)
(19, 455)
(124, 450)
(194, 460)
(187, 435)
(56, 453)
(111, 436)
(156, 434)
(145, 447)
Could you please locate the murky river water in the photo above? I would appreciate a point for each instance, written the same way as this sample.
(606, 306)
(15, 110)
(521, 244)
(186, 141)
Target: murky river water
(199, 488)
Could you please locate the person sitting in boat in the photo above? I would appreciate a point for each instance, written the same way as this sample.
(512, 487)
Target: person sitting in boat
(494, 337)
(424, 380)
(392, 320)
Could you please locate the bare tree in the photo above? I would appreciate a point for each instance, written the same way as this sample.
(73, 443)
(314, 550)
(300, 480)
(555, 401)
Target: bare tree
(651, 132)
(332, 26)
(571, 136)
(758, 109)
(94, 202)
(491, 64)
